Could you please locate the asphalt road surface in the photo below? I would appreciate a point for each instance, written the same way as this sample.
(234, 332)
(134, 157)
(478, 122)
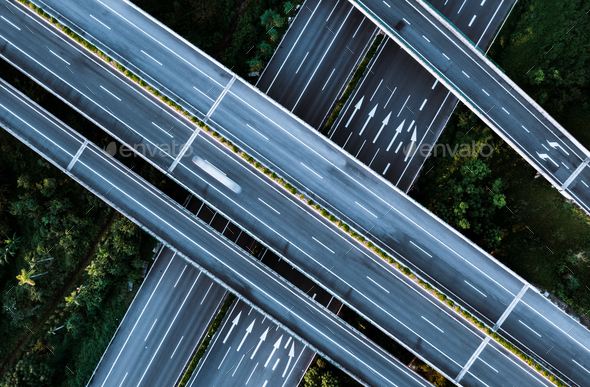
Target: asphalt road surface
(251, 350)
(399, 106)
(198, 243)
(316, 59)
(501, 287)
(489, 93)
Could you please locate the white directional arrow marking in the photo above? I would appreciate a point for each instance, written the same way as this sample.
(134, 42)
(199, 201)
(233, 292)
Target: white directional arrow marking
(397, 132)
(411, 149)
(356, 108)
(262, 338)
(385, 122)
(248, 331)
(557, 145)
(371, 115)
(233, 325)
(274, 349)
(545, 156)
(291, 356)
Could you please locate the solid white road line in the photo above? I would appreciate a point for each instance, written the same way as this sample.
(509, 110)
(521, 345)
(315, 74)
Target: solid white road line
(426, 38)
(510, 307)
(373, 281)
(359, 27)
(222, 360)
(421, 249)
(276, 364)
(210, 286)
(406, 21)
(105, 89)
(288, 341)
(265, 203)
(479, 291)
(177, 345)
(485, 92)
(389, 97)
(445, 55)
(465, 74)
(505, 110)
(68, 63)
(346, 142)
(261, 135)
(580, 365)
(483, 2)
(151, 57)
(422, 106)
(585, 184)
(301, 64)
(124, 377)
(358, 204)
(8, 21)
(529, 328)
(162, 129)
(425, 319)
(150, 331)
(330, 250)
(376, 90)
(386, 168)
(488, 364)
(100, 22)
(472, 19)
(328, 80)
(180, 276)
(434, 85)
(460, 8)
(361, 148)
(404, 105)
(335, 5)
(251, 373)
(386, 4)
(240, 362)
(525, 128)
(398, 146)
(312, 171)
(375, 155)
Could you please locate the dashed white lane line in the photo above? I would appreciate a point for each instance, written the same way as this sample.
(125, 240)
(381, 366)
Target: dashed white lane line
(485, 92)
(507, 112)
(482, 3)
(525, 129)
(327, 248)
(445, 55)
(584, 183)
(269, 206)
(434, 85)
(460, 8)
(180, 276)
(466, 74)
(543, 145)
(161, 129)
(151, 57)
(358, 28)
(565, 165)
(68, 63)
(488, 365)
(404, 19)
(425, 319)
(222, 360)
(529, 328)
(312, 171)
(346, 142)
(472, 20)
(328, 80)
(9, 22)
(375, 92)
(421, 249)
(375, 155)
(386, 4)
(373, 281)
(404, 105)
(301, 64)
(398, 146)
(390, 97)
(210, 286)
(358, 204)
(177, 345)
(150, 331)
(240, 362)
(100, 22)
(386, 168)
(580, 366)
(476, 289)
(423, 103)
(105, 89)
(426, 38)
(260, 134)
(251, 373)
(332, 11)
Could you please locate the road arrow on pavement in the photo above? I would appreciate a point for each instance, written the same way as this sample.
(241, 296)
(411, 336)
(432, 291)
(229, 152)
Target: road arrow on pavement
(411, 149)
(233, 325)
(291, 356)
(356, 108)
(371, 115)
(274, 349)
(557, 145)
(545, 156)
(397, 132)
(385, 122)
(248, 331)
(262, 338)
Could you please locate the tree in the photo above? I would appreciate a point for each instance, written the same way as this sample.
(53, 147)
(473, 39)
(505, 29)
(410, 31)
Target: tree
(271, 19)
(10, 248)
(256, 64)
(265, 50)
(287, 7)
(25, 278)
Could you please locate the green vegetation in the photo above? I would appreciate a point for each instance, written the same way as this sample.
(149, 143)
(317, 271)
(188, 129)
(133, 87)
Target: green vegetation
(324, 374)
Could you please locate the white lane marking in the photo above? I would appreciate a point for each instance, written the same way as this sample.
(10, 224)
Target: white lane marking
(288, 341)
(565, 165)
(375, 92)
(485, 92)
(460, 8)
(375, 155)
(162, 129)
(445, 55)
(251, 373)
(525, 128)
(177, 345)
(8, 21)
(68, 63)
(511, 307)
(276, 364)
(398, 146)
(205, 94)
(205, 296)
(472, 19)
(335, 5)
(262, 135)
(328, 80)
(386, 4)
(547, 149)
(505, 111)
(432, 324)
(479, 380)
(359, 27)
(330, 250)
(386, 168)
(105, 89)
(465, 74)
(389, 97)
(422, 106)
(406, 21)
(411, 124)
(312, 171)
(124, 377)
(584, 183)
(100, 22)
(180, 276)
(150, 331)
(479, 291)
(222, 360)
(373, 281)
(483, 2)
(421, 249)
(346, 142)
(358, 204)
(529, 328)
(434, 85)
(265, 203)
(404, 105)
(240, 362)
(426, 38)
(488, 365)
(301, 64)
(357, 153)
(151, 57)
(580, 366)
